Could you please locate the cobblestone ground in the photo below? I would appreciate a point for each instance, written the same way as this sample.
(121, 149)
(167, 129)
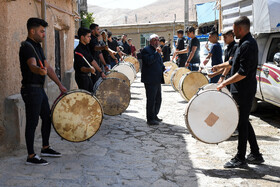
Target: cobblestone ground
(127, 152)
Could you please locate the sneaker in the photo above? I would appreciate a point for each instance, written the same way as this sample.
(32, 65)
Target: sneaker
(50, 152)
(36, 160)
(255, 159)
(235, 163)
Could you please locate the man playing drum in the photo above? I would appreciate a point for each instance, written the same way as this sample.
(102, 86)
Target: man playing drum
(243, 88)
(34, 68)
(82, 70)
(193, 49)
(152, 77)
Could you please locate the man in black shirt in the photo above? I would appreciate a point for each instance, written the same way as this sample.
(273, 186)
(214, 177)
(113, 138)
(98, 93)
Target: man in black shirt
(82, 70)
(34, 68)
(95, 50)
(193, 49)
(243, 88)
(180, 46)
(229, 53)
(165, 50)
(124, 44)
(113, 45)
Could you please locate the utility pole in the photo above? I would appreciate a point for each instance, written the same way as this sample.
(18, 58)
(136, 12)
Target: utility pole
(220, 16)
(186, 14)
(43, 15)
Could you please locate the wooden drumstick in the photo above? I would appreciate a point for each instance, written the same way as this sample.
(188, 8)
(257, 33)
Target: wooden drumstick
(80, 54)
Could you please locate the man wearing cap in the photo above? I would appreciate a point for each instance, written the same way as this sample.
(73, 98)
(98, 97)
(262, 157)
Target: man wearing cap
(152, 77)
(228, 36)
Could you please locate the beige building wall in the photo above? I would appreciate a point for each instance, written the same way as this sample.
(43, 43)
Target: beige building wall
(134, 31)
(13, 17)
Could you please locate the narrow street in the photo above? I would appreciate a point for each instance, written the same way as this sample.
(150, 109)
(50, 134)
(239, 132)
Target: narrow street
(127, 152)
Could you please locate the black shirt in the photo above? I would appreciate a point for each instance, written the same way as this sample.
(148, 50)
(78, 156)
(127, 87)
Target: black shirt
(181, 46)
(104, 52)
(245, 62)
(79, 62)
(26, 52)
(230, 50)
(126, 47)
(94, 42)
(165, 53)
(113, 45)
(196, 57)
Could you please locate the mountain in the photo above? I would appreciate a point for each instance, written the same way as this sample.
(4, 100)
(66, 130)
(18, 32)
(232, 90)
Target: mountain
(160, 11)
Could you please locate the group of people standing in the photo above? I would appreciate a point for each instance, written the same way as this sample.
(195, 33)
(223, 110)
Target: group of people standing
(241, 61)
(101, 51)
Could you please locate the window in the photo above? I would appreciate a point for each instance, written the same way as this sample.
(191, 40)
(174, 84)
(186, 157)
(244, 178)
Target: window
(274, 48)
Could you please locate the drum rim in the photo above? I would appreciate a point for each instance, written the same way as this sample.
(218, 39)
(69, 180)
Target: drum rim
(68, 93)
(128, 90)
(170, 62)
(126, 63)
(119, 78)
(187, 121)
(181, 87)
(202, 88)
(138, 63)
(173, 75)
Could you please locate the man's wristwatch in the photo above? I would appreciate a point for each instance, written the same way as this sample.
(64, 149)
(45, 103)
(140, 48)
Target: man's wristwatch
(223, 76)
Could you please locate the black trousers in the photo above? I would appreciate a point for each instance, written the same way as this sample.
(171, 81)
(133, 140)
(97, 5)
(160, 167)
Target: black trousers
(245, 129)
(153, 94)
(84, 82)
(36, 104)
(182, 61)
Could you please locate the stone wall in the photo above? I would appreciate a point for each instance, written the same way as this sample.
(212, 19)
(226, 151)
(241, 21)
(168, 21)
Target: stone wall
(13, 17)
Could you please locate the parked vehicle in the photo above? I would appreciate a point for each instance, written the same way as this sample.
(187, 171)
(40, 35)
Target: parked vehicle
(265, 21)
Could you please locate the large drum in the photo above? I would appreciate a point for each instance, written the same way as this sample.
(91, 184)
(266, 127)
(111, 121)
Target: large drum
(133, 61)
(126, 68)
(213, 86)
(170, 67)
(76, 116)
(119, 75)
(211, 116)
(113, 94)
(190, 84)
(176, 76)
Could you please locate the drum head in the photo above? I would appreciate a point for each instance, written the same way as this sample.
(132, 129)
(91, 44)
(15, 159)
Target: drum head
(213, 86)
(211, 116)
(76, 116)
(127, 69)
(133, 61)
(190, 84)
(119, 75)
(176, 76)
(167, 75)
(114, 96)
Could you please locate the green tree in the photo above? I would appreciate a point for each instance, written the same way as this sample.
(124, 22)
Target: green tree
(87, 19)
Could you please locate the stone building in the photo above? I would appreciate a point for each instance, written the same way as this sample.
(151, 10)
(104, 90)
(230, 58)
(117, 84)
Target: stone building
(61, 16)
(141, 32)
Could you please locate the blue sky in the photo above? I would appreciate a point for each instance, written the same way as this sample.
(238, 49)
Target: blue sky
(128, 4)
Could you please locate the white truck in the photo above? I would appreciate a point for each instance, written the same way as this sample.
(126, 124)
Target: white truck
(265, 27)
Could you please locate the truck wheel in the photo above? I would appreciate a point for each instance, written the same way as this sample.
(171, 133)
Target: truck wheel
(254, 105)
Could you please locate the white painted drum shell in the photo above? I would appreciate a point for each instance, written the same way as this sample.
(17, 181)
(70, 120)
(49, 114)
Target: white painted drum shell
(126, 68)
(201, 106)
(213, 86)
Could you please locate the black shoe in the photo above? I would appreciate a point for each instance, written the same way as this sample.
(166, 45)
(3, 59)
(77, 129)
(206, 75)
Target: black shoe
(236, 163)
(158, 119)
(36, 160)
(153, 122)
(50, 152)
(254, 159)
